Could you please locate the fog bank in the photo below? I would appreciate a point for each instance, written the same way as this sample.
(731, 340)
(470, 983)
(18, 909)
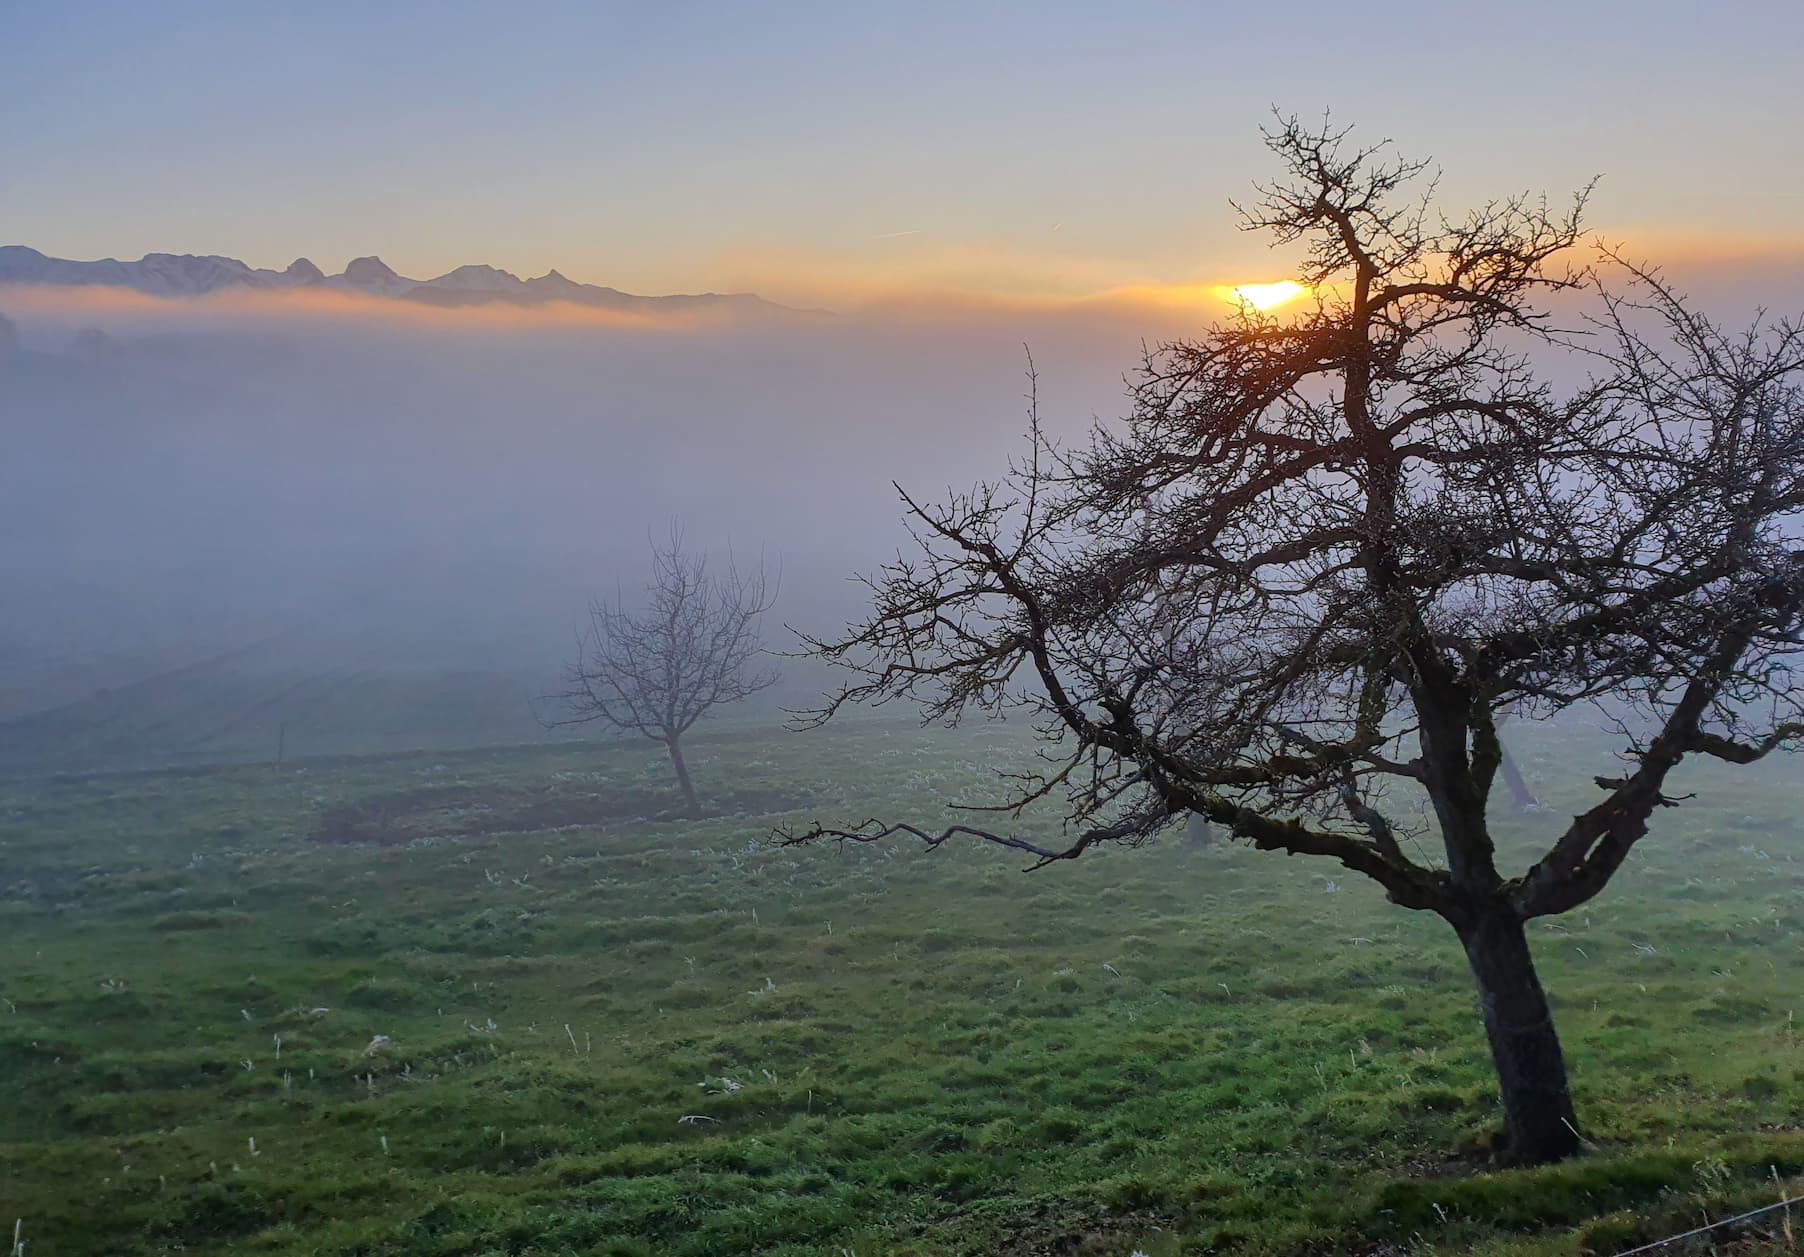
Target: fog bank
(289, 487)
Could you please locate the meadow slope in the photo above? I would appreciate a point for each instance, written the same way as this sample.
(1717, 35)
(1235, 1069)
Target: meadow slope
(504, 1002)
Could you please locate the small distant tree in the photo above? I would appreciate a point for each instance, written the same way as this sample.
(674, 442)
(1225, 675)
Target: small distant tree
(1327, 553)
(691, 647)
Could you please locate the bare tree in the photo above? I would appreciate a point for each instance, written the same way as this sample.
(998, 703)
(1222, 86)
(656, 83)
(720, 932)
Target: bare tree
(1379, 530)
(693, 647)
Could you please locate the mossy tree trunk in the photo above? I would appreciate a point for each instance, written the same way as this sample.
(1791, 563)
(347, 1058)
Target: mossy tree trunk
(1531, 1070)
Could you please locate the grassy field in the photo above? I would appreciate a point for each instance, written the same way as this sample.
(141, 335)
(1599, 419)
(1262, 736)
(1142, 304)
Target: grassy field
(501, 1002)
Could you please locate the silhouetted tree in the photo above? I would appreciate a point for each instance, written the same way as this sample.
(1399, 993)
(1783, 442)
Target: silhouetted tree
(692, 647)
(1325, 553)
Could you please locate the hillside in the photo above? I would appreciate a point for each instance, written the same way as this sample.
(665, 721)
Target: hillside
(504, 1002)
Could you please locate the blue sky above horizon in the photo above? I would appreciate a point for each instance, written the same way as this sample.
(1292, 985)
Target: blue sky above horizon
(813, 150)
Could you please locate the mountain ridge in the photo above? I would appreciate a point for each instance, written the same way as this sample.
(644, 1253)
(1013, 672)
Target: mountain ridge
(192, 275)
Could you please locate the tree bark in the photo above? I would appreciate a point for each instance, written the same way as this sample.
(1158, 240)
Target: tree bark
(1520, 794)
(1531, 1071)
(1197, 832)
(675, 746)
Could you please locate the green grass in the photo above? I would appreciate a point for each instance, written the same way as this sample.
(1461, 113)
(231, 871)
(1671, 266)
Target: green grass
(1170, 1049)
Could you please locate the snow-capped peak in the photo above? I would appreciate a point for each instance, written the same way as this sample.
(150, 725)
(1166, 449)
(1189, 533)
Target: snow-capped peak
(372, 274)
(477, 278)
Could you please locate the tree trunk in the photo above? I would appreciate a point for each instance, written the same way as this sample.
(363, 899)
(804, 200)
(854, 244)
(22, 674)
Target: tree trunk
(674, 745)
(1197, 832)
(1531, 1071)
(1520, 794)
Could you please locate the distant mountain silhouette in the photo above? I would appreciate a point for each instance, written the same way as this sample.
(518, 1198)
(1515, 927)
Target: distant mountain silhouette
(187, 274)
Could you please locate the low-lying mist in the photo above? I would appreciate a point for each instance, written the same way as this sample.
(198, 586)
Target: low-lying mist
(293, 489)
(302, 497)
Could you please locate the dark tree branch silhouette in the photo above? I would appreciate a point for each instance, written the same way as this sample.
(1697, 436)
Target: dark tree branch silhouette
(1324, 556)
(693, 647)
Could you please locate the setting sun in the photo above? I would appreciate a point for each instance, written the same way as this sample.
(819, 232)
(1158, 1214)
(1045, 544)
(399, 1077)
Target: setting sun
(1263, 297)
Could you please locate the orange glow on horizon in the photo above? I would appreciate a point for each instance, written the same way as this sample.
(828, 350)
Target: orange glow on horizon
(230, 306)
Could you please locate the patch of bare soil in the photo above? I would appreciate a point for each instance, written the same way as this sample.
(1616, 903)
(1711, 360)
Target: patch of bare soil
(478, 811)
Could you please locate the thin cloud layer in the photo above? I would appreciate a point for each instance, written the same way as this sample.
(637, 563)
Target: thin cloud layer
(230, 307)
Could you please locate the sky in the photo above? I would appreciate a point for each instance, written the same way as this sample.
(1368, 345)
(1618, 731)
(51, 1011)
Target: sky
(828, 152)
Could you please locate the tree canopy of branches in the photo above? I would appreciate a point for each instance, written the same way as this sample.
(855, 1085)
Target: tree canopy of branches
(694, 646)
(1325, 554)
